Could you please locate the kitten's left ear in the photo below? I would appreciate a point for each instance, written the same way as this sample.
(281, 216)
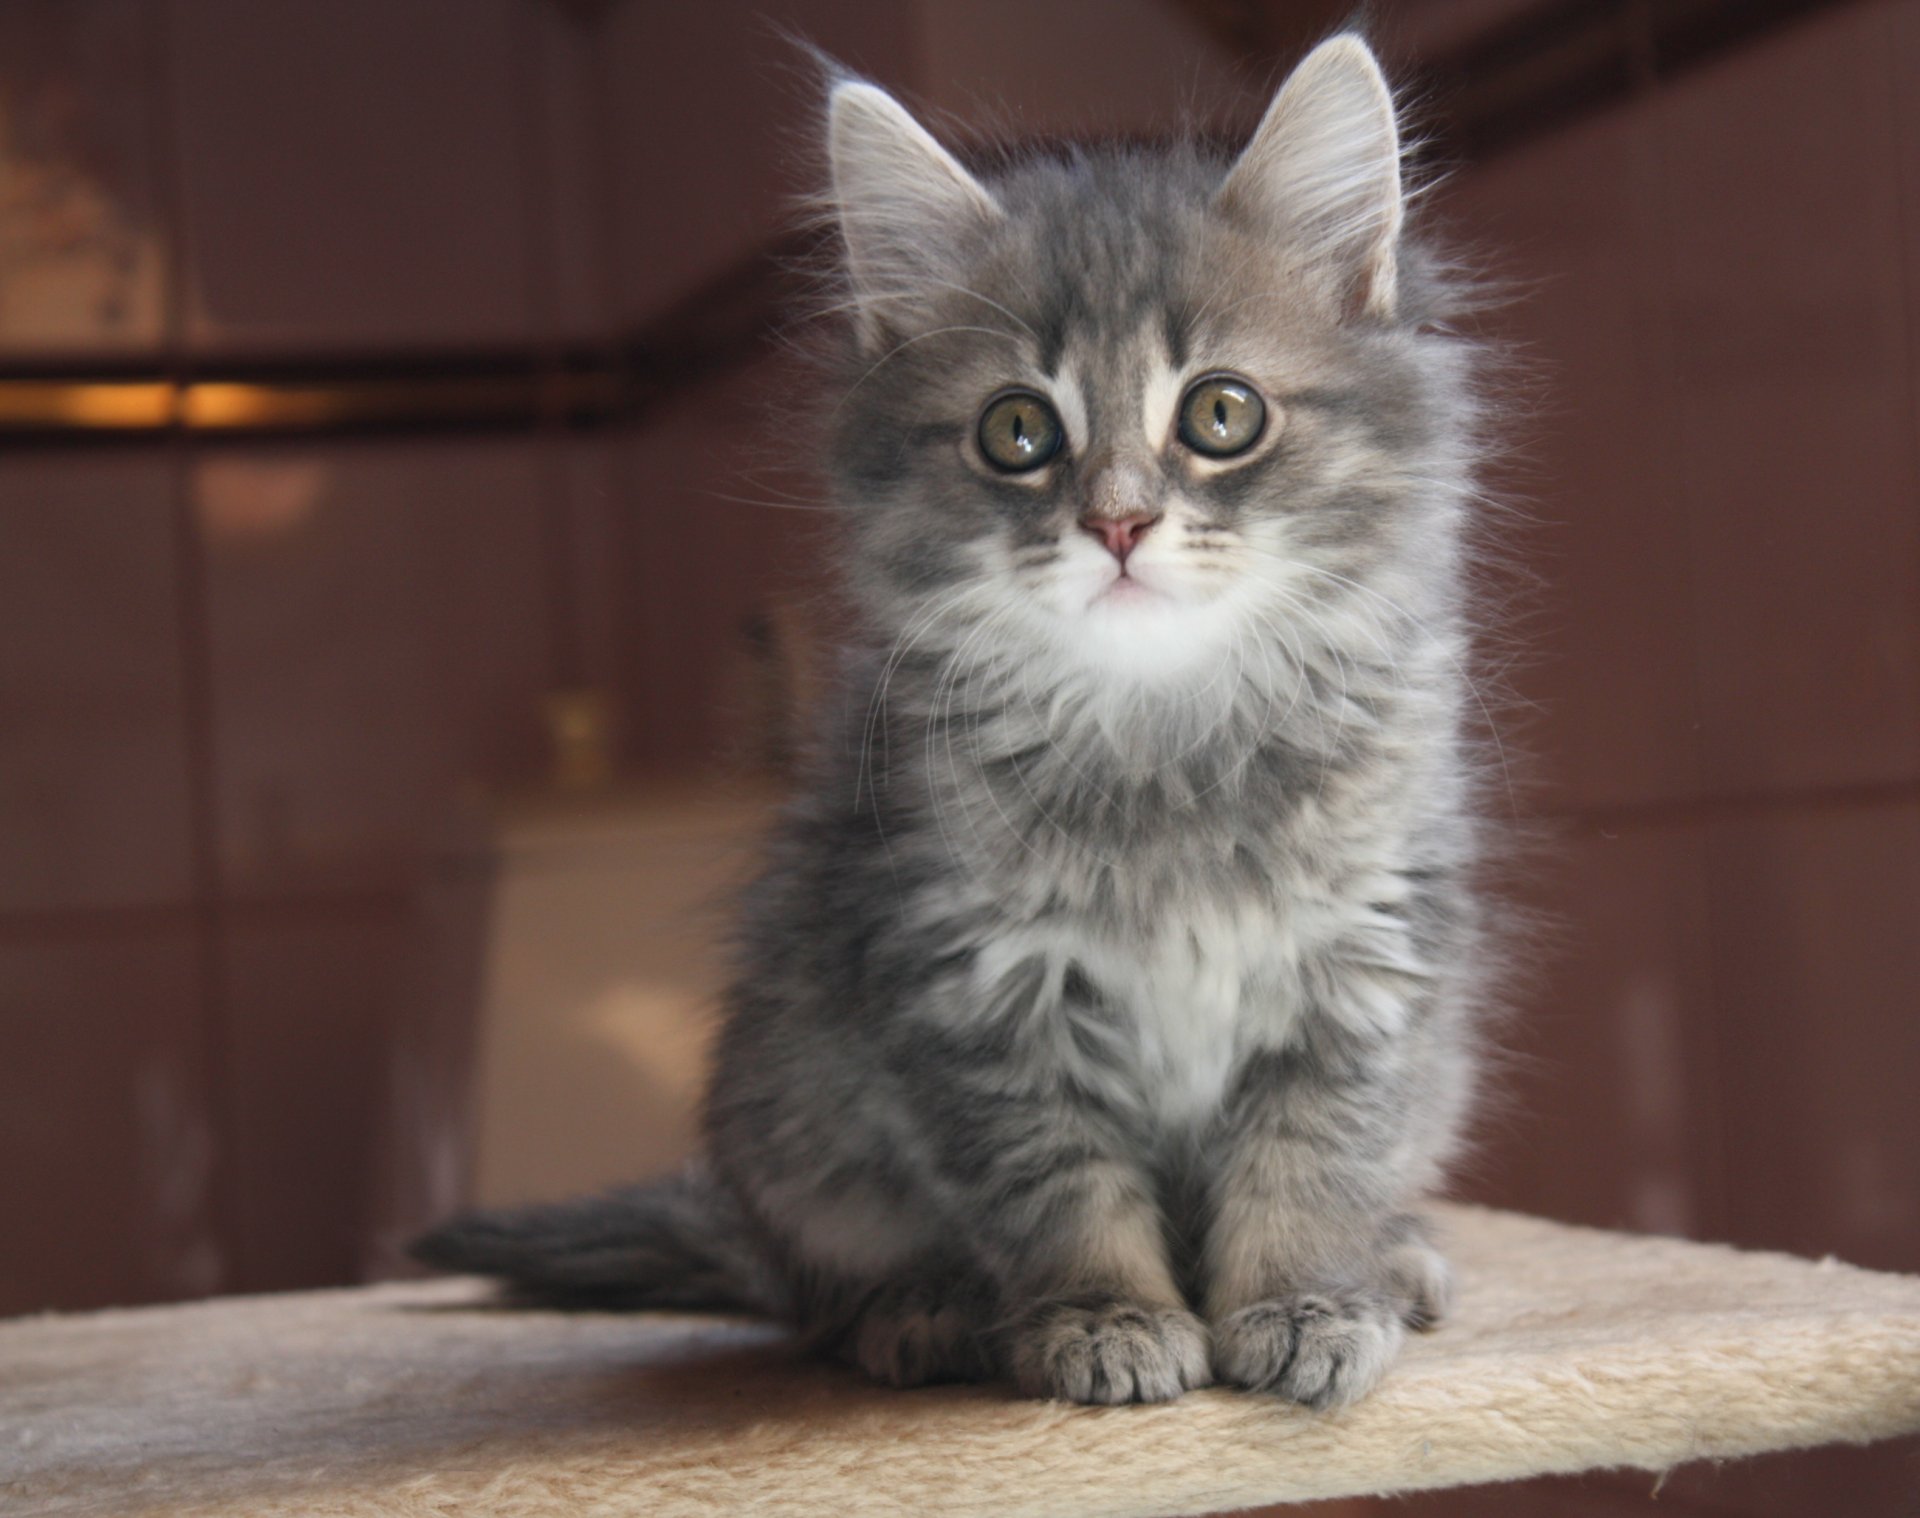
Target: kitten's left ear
(1323, 171)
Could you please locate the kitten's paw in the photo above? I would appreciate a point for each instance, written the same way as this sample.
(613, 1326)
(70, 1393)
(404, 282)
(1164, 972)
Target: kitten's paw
(913, 1333)
(1417, 1277)
(1323, 1349)
(1103, 1350)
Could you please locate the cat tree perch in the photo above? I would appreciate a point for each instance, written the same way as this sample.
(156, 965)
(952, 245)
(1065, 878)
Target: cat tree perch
(1571, 1349)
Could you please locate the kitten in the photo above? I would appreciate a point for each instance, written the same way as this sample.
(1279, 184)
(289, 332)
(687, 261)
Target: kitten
(1104, 1011)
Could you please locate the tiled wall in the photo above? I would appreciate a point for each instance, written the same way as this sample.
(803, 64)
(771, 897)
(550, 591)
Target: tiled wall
(1713, 388)
(1712, 374)
(248, 694)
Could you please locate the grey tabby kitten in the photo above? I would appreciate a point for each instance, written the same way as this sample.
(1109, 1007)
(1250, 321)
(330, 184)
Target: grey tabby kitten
(1102, 1016)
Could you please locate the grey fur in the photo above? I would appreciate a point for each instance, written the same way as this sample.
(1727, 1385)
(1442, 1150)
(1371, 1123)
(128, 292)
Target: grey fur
(1095, 1024)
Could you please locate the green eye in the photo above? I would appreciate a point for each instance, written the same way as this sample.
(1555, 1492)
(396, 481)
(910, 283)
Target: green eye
(1222, 416)
(1018, 432)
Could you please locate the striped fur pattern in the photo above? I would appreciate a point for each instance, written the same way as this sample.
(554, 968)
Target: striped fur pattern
(1105, 1010)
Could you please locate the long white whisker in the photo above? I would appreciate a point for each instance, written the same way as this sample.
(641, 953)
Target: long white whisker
(980, 636)
(917, 627)
(898, 348)
(984, 300)
(747, 500)
(1440, 646)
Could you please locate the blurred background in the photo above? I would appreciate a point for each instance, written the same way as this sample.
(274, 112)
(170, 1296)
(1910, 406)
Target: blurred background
(407, 581)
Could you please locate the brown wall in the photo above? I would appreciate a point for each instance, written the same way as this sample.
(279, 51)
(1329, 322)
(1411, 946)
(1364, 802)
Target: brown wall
(1716, 292)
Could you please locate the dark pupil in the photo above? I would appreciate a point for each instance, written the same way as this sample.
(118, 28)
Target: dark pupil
(1220, 415)
(1020, 432)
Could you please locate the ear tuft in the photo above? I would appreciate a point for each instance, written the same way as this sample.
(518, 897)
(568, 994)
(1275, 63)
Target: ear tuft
(1323, 171)
(901, 198)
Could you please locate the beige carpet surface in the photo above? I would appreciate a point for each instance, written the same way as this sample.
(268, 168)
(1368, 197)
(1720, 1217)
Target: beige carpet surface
(1571, 1349)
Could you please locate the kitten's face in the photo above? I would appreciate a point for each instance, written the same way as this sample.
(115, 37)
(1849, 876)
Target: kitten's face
(1119, 411)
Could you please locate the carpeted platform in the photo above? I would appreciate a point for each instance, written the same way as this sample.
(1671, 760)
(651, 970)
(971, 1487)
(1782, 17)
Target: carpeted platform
(1571, 1349)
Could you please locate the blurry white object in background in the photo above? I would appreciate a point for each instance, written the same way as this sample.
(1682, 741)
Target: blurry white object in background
(604, 960)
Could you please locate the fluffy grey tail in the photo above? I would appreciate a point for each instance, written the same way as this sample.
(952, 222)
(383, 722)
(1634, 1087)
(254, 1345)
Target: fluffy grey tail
(679, 1243)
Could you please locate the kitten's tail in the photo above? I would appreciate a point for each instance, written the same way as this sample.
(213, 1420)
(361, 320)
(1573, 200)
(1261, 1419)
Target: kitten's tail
(679, 1243)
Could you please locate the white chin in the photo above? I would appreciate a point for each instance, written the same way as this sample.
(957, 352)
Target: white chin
(1132, 628)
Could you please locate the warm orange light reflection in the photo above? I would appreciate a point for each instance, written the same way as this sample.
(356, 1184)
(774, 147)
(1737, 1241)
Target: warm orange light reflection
(219, 405)
(108, 403)
(233, 406)
(137, 404)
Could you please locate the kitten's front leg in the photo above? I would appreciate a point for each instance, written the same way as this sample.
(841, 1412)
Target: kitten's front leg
(1313, 1271)
(1094, 1314)
(1071, 1228)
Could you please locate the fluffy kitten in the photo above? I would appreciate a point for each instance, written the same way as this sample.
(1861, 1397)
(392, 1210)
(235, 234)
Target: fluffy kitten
(1103, 1012)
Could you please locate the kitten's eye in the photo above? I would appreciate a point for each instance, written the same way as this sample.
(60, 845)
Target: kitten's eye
(1018, 432)
(1222, 416)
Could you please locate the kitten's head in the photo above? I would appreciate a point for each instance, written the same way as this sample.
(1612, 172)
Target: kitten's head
(1138, 409)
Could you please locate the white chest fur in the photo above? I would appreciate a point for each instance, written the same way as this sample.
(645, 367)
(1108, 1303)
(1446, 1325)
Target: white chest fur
(1167, 1017)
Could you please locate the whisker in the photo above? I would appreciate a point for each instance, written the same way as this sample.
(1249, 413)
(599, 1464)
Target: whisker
(901, 347)
(1440, 645)
(747, 500)
(917, 627)
(984, 300)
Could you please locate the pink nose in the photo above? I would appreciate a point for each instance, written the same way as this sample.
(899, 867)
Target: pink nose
(1121, 534)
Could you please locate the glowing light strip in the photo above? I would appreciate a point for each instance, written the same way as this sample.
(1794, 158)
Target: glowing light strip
(214, 406)
(111, 404)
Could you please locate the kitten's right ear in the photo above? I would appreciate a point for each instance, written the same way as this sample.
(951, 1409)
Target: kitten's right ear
(901, 198)
(1323, 171)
